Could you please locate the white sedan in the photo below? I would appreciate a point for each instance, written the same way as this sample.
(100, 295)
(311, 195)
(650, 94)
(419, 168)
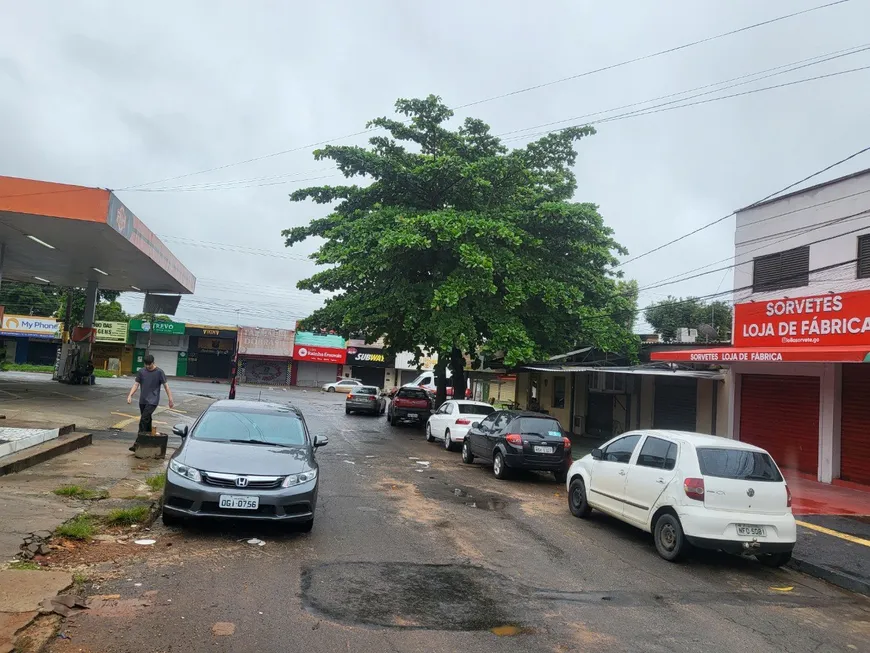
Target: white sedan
(689, 489)
(453, 419)
(345, 385)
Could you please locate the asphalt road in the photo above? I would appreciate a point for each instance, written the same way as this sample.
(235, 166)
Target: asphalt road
(406, 556)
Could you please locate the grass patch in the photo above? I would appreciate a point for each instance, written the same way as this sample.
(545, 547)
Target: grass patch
(128, 516)
(80, 527)
(105, 374)
(157, 482)
(79, 492)
(26, 367)
(24, 565)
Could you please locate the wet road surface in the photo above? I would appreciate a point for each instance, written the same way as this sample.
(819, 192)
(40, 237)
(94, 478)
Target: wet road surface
(410, 556)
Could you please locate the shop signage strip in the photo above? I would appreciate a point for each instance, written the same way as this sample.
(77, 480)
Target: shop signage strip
(840, 319)
(28, 325)
(111, 331)
(313, 354)
(175, 328)
(853, 354)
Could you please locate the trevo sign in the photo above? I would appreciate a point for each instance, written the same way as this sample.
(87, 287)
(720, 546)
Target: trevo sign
(826, 320)
(315, 354)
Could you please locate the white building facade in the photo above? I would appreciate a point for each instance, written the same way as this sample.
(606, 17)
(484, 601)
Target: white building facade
(800, 386)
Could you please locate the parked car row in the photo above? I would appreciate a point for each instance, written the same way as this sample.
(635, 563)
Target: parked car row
(686, 489)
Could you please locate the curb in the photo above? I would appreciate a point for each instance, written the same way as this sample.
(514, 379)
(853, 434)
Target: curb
(40, 454)
(835, 577)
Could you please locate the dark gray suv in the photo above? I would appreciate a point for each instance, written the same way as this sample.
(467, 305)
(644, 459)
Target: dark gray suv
(244, 460)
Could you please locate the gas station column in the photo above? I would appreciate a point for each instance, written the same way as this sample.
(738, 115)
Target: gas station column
(91, 294)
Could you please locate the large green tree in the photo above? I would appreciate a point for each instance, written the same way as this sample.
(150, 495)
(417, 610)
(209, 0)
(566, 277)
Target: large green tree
(458, 244)
(671, 314)
(46, 300)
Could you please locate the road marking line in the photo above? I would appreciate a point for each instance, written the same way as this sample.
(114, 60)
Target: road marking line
(125, 415)
(10, 393)
(63, 394)
(828, 531)
(177, 410)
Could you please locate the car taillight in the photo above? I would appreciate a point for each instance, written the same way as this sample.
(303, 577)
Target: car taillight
(787, 497)
(567, 444)
(694, 488)
(515, 439)
(350, 396)
(463, 420)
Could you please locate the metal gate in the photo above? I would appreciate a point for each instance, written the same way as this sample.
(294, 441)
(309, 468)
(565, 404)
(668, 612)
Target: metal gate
(599, 414)
(166, 361)
(314, 375)
(855, 425)
(675, 405)
(369, 375)
(781, 414)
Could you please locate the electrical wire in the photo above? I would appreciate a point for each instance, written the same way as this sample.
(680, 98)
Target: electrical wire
(511, 93)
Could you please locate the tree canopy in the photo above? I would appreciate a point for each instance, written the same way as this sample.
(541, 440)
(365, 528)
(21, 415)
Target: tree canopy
(50, 301)
(671, 314)
(457, 243)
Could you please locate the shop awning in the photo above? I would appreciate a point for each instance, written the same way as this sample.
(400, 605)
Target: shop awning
(696, 374)
(807, 354)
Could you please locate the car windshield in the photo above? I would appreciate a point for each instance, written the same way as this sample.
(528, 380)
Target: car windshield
(271, 428)
(738, 464)
(365, 390)
(538, 426)
(413, 393)
(475, 409)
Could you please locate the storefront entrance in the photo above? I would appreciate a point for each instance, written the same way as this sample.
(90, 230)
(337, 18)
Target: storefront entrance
(675, 404)
(781, 414)
(855, 424)
(314, 375)
(369, 375)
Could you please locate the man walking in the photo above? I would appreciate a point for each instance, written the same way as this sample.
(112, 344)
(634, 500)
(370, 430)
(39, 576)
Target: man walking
(149, 379)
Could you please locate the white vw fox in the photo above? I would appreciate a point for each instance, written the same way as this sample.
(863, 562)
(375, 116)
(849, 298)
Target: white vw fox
(689, 489)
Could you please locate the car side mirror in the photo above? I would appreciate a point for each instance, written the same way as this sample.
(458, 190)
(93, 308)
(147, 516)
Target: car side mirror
(475, 425)
(597, 454)
(180, 430)
(320, 441)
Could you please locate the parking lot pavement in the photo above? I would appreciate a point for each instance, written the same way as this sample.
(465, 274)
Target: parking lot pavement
(412, 550)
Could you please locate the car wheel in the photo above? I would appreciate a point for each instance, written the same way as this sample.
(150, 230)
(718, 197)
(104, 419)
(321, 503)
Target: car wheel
(561, 476)
(394, 421)
(347, 411)
(429, 437)
(774, 559)
(171, 520)
(467, 456)
(305, 526)
(448, 443)
(330, 389)
(577, 502)
(499, 468)
(669, 538)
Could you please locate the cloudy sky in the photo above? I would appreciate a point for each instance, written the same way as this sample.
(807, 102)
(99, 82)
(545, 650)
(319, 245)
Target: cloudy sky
(116, 95)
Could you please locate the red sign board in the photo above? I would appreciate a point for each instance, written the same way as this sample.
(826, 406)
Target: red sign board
(824, 320)
(314, 354)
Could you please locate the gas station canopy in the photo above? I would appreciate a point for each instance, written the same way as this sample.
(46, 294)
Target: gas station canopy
(69, 235)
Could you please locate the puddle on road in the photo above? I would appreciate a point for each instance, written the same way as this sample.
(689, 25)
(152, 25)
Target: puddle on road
(471, 498)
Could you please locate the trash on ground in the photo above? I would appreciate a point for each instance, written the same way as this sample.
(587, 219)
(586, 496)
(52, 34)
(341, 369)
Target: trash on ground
(144, 542)
(423, 462)
(256, 541)
(350, 462)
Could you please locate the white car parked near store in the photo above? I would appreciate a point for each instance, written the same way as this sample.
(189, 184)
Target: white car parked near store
(452, 420)
(345, 385)
(689, 489)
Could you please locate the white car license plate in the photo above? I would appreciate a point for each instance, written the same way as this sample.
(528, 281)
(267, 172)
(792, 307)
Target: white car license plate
(236, 502)
(540, 449)
(747, 530)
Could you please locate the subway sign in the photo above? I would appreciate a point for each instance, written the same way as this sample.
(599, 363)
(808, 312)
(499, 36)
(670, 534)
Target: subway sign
(367, 357)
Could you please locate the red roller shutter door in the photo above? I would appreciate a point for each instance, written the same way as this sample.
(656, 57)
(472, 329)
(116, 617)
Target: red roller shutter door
(855, 425)
(781, 414)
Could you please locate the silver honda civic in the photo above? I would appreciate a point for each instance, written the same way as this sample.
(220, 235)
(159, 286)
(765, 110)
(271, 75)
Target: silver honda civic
(244, 460)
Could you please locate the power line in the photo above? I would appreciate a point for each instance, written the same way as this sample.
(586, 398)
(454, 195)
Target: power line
(511, 93)
(754, 204)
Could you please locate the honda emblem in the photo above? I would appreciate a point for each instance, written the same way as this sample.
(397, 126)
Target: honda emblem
(242, 481)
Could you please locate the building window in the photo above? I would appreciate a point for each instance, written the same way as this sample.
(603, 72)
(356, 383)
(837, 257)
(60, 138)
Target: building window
(864, 257)
(559, 392)
(788, 269)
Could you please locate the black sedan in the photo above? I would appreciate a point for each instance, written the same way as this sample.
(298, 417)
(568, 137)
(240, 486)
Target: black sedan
(513, 439)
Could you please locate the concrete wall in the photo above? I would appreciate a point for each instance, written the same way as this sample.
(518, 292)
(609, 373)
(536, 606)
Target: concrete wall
(647, 396)
(777, 227)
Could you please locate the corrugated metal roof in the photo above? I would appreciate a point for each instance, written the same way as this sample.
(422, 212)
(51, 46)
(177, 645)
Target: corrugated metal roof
(696, 374)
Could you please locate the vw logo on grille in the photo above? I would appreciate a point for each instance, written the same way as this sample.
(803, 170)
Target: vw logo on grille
(242, 481)
(750, 492)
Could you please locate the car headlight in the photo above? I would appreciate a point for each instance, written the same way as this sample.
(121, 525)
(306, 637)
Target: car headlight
(298, 479)
(185, 471)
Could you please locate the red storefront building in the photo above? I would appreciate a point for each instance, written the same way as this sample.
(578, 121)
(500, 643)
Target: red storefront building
(799, 367)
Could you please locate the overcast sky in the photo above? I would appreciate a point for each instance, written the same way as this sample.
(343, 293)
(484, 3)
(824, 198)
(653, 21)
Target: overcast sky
(116, 94)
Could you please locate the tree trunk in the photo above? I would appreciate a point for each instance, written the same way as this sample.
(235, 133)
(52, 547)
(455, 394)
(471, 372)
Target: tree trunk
(440, 380)
(457, 368)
